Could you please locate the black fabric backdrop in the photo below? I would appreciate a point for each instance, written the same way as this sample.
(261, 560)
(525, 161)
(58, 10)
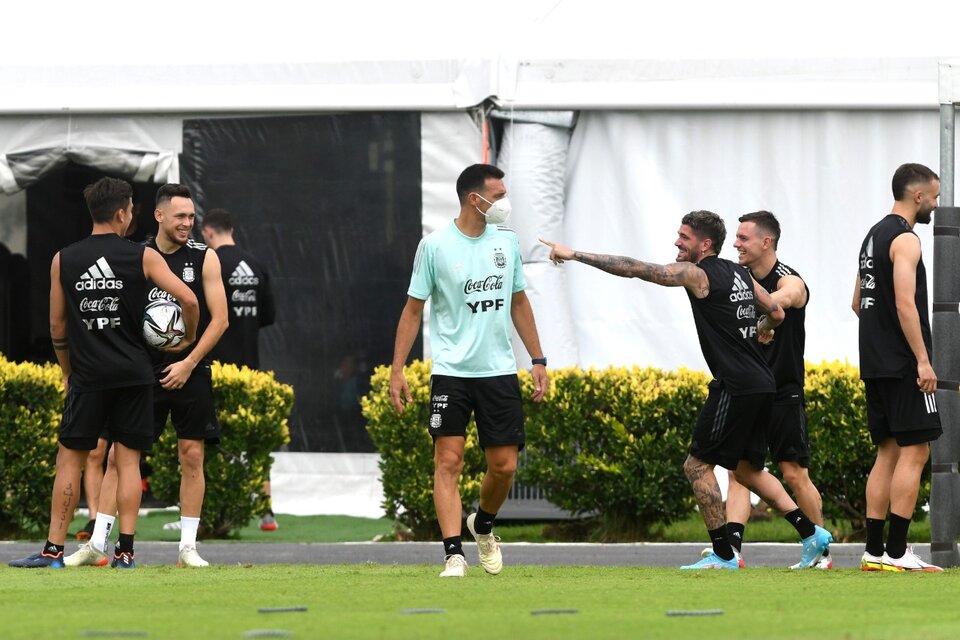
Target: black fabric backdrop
(331, 205)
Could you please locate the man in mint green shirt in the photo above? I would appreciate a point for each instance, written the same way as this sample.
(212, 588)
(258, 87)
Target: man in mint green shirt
(472, 272)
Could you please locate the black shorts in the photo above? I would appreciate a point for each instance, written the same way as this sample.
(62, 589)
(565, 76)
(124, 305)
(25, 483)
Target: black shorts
(125, 410)
(495, 402)
(732, 428)
(190, 408)
(896, 408)
(787, 431)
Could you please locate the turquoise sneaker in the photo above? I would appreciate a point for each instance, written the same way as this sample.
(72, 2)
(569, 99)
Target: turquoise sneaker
(713, 561)
(814, 546)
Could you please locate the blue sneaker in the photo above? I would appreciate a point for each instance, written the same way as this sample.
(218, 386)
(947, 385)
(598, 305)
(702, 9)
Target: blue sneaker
(713, 561)
(814, 546)
(39, 561)
(123, 560)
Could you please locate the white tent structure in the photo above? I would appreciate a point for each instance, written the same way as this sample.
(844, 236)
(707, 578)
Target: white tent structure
(614, 123)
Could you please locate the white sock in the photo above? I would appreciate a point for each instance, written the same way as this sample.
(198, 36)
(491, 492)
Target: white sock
(188, 531)
(101, 531)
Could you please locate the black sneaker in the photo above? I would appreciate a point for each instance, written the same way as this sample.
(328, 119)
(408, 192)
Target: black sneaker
(39, 561)
(87, 531)
(123, 560)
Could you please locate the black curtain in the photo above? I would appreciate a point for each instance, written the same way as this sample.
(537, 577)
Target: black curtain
(331, 204)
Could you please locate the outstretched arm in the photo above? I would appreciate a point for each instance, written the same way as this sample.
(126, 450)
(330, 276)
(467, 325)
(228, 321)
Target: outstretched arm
(676, 274)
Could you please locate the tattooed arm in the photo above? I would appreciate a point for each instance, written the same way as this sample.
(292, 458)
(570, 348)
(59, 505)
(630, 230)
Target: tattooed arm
(677, 274)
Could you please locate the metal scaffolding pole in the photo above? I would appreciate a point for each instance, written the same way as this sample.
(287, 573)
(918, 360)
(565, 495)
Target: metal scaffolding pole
(945, 481)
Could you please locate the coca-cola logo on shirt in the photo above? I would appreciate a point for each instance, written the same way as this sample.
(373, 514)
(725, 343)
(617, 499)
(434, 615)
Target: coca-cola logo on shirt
(159, 294)
(101, 304)
(490, 283)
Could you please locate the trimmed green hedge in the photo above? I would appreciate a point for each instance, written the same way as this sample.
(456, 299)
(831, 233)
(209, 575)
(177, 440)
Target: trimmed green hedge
(611, 443)
(31, 402)
(252, 408)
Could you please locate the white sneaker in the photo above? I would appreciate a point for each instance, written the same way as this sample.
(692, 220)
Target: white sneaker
(909, 562)
(86, 556)
(455, 566)
(488, 545)
(825, 562)
(190, 558)
(870, 562)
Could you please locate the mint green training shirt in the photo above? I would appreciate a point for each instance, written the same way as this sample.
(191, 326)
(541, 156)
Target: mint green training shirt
(470, 283)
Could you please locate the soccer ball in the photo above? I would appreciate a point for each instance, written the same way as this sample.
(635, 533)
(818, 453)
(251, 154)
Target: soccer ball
(163, 324)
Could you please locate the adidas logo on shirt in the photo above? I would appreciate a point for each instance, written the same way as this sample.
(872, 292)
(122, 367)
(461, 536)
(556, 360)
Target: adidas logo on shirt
(99, 276)
(243, 276)
(741, 291)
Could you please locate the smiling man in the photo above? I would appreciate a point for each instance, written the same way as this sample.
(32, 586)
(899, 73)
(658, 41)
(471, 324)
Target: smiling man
(730, 428)
(183, 388)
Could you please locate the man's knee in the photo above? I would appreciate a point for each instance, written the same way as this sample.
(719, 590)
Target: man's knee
(694, 468)
(794, 475)
(191, 454)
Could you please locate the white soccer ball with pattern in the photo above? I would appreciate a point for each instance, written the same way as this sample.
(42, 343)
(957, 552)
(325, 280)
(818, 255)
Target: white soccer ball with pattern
(163, 324)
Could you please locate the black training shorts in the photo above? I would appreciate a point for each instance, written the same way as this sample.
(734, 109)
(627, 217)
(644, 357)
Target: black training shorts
(495, 402)
(896, 408)
(787, 431)
(732, 428)
(190, 408)
(126, 411)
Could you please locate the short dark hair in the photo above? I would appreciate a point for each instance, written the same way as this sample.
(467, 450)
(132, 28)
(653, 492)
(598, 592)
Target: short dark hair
(910, 174)
(218, 220)
(474, 177)
(766, 222)
(105, 196)
(708, 226)
(172, 190)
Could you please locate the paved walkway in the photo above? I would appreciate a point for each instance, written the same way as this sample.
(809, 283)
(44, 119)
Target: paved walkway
(407, 553)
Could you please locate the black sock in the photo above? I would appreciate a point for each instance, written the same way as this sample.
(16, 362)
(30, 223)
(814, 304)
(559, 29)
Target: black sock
(826, 552)
(483, 523)
(125, 544)
(735, 534)
(875, 536)
(268, 512)
(800, 522)
(452, 546)
(721, 543)
(50, 549)
(897, 535)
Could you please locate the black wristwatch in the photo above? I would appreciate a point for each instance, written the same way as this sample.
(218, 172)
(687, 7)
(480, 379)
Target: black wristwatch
(542, 361)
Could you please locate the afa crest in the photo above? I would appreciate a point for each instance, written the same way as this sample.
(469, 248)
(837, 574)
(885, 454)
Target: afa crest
(188, 275)
(499, 259)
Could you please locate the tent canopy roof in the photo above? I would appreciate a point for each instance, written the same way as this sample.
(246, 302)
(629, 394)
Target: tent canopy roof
(434, 54)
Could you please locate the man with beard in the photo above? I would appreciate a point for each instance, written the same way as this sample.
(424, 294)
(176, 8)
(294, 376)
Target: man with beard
(895, 351)
(730, 429)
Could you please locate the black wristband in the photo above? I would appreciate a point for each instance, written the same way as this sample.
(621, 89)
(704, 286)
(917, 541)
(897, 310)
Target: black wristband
(542, 361)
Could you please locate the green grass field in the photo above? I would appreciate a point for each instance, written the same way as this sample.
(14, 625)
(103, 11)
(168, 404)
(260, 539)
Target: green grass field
(367, 601)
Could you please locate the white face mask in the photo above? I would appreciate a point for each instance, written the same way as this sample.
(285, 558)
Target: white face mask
(498, 212)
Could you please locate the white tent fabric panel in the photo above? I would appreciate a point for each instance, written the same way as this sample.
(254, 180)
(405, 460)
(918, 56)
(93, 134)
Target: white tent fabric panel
(138, 148)
(449, 142)
(632, 176)
(534, 158)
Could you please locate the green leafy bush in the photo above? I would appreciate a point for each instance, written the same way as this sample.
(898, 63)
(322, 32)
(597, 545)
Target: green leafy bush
(613, 442)
(252, 408)
(841, 451)
(406, 451)
(31, 402)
